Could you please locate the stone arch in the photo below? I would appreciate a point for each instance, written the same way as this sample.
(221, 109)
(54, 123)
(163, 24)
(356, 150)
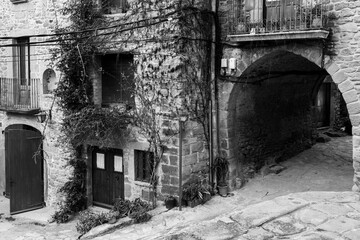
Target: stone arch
(339, 76)
(49, 81)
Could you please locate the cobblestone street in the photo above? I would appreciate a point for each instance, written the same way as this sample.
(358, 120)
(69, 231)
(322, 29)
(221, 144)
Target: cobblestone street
(308, 171)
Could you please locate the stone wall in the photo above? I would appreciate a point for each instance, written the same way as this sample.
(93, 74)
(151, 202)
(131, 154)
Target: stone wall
(28, 19)
(342, 66)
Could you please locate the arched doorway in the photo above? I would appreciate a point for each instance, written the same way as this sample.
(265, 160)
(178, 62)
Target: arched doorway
(24, 168)
(272, 111)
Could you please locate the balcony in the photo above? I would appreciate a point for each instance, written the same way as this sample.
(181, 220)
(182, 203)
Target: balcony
(19, 96)
(250, 20)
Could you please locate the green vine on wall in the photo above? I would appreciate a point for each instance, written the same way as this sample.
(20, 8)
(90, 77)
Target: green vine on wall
(173, 83)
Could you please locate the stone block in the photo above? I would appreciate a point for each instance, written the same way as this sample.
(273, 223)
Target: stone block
(201, 166)
(197, 147)
(165, 159)
(173, 151)
(174, 160)
(355, 119)
(346, 86)
(190, 159)
(186, 149)
(174, 181)
(169, 190)
(170, 170)
(350, 96)
(340, 225)
(339, 77)
(165, 179)
(353, 108)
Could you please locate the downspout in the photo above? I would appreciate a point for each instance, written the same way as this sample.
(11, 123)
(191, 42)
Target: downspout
(181, 125)
(214, 102)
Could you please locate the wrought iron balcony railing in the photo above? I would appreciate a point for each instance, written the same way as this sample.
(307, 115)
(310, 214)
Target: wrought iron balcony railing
(114, 6)
(16, 96)
(264, 16)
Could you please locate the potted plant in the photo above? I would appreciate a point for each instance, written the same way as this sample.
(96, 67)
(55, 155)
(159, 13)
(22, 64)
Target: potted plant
(170, 202)
(195, 193)
(221, 166)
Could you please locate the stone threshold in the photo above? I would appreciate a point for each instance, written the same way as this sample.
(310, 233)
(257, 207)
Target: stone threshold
(293, 35)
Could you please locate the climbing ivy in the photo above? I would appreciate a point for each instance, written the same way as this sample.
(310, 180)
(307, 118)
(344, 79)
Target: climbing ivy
(170, 41)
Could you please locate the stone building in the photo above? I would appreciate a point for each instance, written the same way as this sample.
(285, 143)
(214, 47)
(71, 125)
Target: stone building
(276, 55)
(272, 58)
(34, 156)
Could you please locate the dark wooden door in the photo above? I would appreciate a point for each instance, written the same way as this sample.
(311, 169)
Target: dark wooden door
(24, 170)
(108, 176)
(323, 105)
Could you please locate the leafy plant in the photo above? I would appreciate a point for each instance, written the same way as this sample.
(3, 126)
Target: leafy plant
(89, 220)
(195, 190)
(136, 209)
(74, 192)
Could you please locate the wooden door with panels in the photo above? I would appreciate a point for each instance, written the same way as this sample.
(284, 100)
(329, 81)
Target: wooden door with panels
(108, 176)
(24, 168)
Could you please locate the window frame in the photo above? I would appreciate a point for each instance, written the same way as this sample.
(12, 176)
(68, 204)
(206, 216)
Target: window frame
(117, 90)
(140, 156)
(22, 60)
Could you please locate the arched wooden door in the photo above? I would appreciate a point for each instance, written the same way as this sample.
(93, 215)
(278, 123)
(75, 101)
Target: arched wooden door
(24, 168)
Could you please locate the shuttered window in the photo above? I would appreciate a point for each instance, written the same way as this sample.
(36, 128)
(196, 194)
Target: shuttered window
(144, 163)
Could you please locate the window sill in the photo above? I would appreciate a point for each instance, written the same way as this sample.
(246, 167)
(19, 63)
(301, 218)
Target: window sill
(142, 184)
(18, 1)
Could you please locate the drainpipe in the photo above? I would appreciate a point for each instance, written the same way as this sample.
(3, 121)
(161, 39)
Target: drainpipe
(180, 162)
(213, 107)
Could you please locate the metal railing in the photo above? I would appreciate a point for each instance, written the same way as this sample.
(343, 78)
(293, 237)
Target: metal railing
(15, 96)
(264, 16)
(114, 6)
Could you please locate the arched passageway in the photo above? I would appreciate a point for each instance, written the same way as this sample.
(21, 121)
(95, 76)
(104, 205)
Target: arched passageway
(275, 109)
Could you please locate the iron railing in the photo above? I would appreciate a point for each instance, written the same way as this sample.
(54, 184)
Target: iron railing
(263, 16)
(15, 96)
(114, 6)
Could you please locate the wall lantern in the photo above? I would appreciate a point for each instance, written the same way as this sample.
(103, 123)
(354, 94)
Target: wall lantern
(249, 5)
(41, 116)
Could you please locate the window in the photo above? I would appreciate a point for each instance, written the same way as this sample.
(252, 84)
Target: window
(114, 6)
(22, 60)
(144, 163)
(117, 79)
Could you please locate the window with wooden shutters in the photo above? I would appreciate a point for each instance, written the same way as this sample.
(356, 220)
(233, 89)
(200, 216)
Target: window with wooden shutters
(144, 163)
(117, 79)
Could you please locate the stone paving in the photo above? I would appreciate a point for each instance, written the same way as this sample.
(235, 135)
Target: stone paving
(303, 216)
(253, 212)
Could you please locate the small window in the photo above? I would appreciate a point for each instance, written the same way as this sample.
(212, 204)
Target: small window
(22, 60)
(100, 161)
(144, 163)
(114, 6)
(117, 79)
(118, 163)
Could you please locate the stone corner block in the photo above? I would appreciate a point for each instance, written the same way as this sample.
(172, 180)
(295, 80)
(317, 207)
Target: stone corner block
(350, 96)
(332, 68)
(339, 77)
